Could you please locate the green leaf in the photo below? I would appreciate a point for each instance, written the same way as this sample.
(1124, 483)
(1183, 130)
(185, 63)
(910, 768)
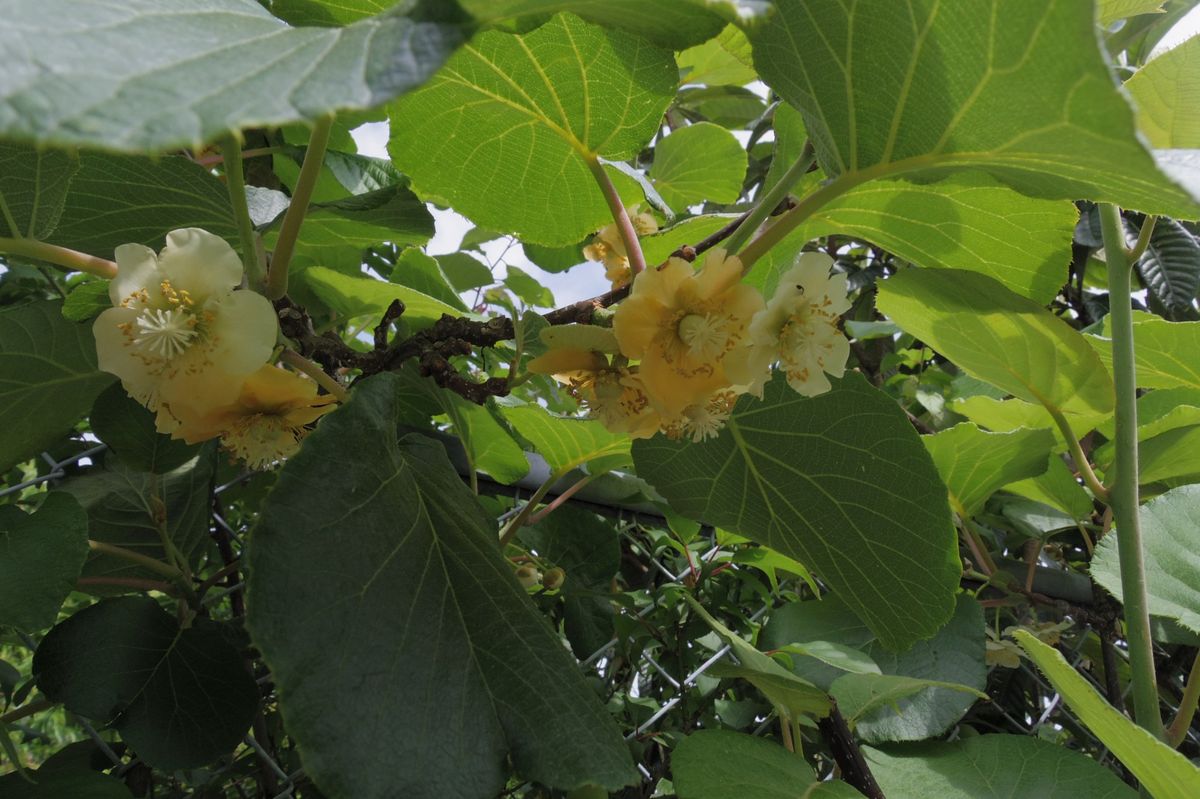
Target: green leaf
(674, 24)
(123, 199)
(859, 695)
(1057, 488)
(955, 654)
(56, 784)
(658, 247)
(917, 88)
(567, 444)
(33, 185)
(329, 14)
(1002, 416)
(374, 566)
(698, 163)
(724, 59)
(125, 76)
(1170, 266)
(975, 464)
(1165, 773)
(1109, 11)
(840, 657)
(422, 272)
(41, 555)
(1160, 349)
(1171, 533)
(48, 378)
(337, 232)
(1170, 456)
(967, 221)
(983, 767)
(180, 697)
(1165, 93)
(128, 429)
(527, 288)
(464, 272)
(790, 137)
(358, 296)
(504, 131)
(792, 696)
(125, 507)
(719, 764)
(86, 301)
(841, 483)
(999, 337)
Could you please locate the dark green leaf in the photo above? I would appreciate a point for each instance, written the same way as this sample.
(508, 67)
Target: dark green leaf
(505, 129)
(55, 784)
(33, 184)
(41, 555)
(718, 764)
(128, 429)
(375, 567)
(180, 697)
(155, 74)
(841, 483)
(464, 272)
(993, 767)
(1171, 266)
(48, 378)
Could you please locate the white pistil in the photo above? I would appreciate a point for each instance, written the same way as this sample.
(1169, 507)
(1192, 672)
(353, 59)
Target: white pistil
(166, 333)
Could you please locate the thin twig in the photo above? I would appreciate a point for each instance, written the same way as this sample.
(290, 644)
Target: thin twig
(293, 218)
(1179, 726)
(847, 754)
(772, 198)
(235, 182)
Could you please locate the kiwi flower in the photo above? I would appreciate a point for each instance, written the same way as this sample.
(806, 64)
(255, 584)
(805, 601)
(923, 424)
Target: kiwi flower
(681, 325)
(608, 248)
(613, 395)
(179, 328)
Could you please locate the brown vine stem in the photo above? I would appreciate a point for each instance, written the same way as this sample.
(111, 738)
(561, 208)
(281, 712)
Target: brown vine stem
(561, 498)
(289, 229)
(633, 249)
(847, 754)
(59, 256)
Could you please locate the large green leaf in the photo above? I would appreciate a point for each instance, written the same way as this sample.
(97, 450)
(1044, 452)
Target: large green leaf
(1109, 11)
(356, 296)
(966, 221)
(1171, 535)
(1166, 92)
(181, 697)
(329, 12)
(1161, 351)
(998, 336)
(157, 74)
(725, 59)
(375, 570)
(698, 163)
(567, 444)
(841, 483)
(993, 767)
(919, 88)
(48, 378)
(1056, 487)
(719, 764)
(1165, 773)
(675, 24)
(503, 131)
(954, 655)
(33, 184)
(122, 199)
(41, 555)
(128, 429)
(974, 464)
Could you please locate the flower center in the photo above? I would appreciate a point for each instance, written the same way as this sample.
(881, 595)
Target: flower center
(704, 335)
(260, 439)
(165, 332)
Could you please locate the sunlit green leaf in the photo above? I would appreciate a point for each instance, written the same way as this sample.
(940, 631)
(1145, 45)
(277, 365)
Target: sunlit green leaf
(1165, 92)
(697, 163)
(669, 23)
(1109, 11)
(724, 59)
(1161, 350)
(356, 296)
(569, 443)
(974, 463)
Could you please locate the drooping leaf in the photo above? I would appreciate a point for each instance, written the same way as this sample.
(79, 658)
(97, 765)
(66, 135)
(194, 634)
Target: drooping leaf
(123, 199)
(719, 764)
(422, 272)
(1164, 772)
(1000, 337)
(33, 184)
(390, 579)
(504, 130)
(974, 464)
(697, 163)
(982, 767)
(527, 288)
(41, 555)
(1170, 266)
(790, 137)
(1005, 415)
(1166, 92)
(356, 296)
(567, 444)
(128, 429)
(967, 221)
(126, 507)
(1171, 539)
(674, 24)
(181, 697)
(1161, 350)
(125, 76)
(955, 654)
(48, 377)
(657, 247)
(918, 88)
(841, 483)
(838, 656)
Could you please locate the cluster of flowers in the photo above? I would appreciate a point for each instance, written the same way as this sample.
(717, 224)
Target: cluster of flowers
(194, 348)
(687, 343)
(608, 248)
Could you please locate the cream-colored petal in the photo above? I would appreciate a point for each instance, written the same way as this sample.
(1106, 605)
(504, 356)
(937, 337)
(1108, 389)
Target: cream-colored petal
(719, 274)
(749, 367)
(115, 354)
(637, 321)
(199, 262)
(742, 302)
(243, 332)
(137, 268)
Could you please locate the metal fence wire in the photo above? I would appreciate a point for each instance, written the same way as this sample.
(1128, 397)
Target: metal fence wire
(650, 677)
